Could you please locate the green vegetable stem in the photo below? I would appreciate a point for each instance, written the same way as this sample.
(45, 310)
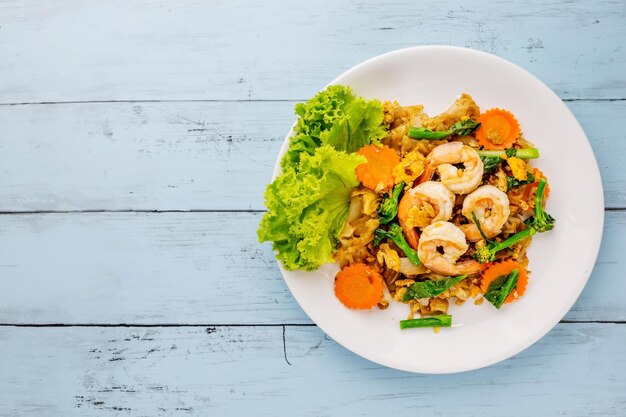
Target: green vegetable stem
(541, 221)
(395, 233)
(441, 320)
(429, 289)
(388, 209)
(529, 153)
(461, 128)
(488, 252)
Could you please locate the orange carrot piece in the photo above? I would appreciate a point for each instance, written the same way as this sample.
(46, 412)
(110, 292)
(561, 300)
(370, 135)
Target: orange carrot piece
(498, 129)
(377, 173)
(498, 269)
(358, 286)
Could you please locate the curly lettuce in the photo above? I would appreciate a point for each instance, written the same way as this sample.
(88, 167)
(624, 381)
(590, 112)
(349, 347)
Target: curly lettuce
(335, 117)
(308, 207)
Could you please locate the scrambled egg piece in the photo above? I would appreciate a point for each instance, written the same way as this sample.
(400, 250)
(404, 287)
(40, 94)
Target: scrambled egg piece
(369, 200)
(499, 181)
(518, 168)
(389, 257)
(410, 167)
(405, 282)
(421, 216)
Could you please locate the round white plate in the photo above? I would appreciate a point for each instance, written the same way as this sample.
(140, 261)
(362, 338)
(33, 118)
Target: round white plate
(561, 260)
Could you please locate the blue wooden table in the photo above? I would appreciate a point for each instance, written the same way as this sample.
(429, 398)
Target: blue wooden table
(135, 142)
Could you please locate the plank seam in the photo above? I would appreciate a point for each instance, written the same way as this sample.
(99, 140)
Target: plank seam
(213, 326)
(98, 211)
(48, 103)
(101, 211)
(286, 100)
(156, 325)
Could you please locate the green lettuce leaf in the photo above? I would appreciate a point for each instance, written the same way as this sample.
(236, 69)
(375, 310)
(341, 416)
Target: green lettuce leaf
(336, 117)
(308, 207)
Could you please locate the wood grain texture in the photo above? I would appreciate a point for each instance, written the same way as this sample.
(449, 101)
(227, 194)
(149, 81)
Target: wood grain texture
(207, 91)
(68, 50)
(182, 156)
(577, 370)
(149, 156)
(192, 268)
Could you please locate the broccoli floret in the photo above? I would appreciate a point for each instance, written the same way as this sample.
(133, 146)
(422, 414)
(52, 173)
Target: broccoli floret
(395, 233)
(541, 221)
(488, 252)
(460, 128)
(388, 209)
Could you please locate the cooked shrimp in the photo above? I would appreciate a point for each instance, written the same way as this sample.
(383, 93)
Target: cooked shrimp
(458, 180)
(491, 207)
(422, 205)
(441, 245)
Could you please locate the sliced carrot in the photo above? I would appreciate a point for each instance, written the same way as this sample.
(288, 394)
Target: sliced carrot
(498, 269)
(377, 173)
(498, 129)
(533, 186)
(358, 286)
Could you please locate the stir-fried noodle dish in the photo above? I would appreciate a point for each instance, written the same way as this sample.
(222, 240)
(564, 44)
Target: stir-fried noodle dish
(420, 210)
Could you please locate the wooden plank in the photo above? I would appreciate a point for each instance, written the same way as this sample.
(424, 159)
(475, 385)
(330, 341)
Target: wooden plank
(600, 125)
(181, 156)
(68, 50)
(166, 156)
(577, 370)
(187, 268)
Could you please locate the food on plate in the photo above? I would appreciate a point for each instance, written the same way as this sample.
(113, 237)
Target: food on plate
(505, 281)
(498, 129)
(377, 172)
(420, 210)
(359, 286)
(440, 320)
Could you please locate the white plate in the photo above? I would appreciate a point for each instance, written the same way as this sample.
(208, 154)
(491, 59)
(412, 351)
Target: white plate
(561, 260)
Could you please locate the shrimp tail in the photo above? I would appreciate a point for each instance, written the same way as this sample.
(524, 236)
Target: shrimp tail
(471, 232)
(470, 267)
(412, 238)
(427, 175)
